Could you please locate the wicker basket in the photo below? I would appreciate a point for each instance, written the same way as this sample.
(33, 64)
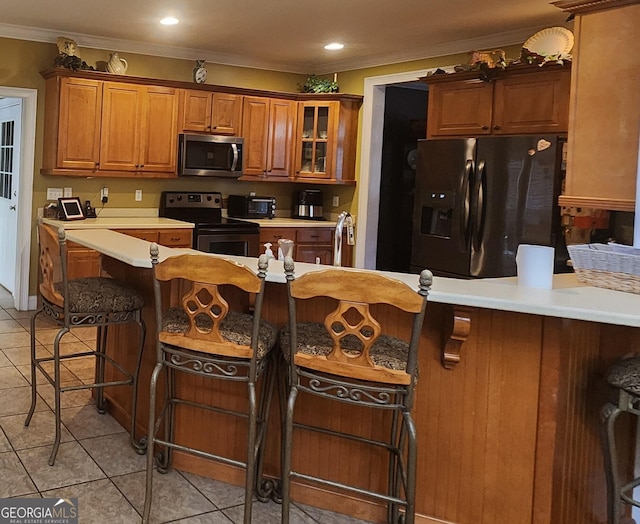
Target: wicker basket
(608, 266)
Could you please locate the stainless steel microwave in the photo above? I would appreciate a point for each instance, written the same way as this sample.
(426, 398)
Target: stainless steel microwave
(210, 155)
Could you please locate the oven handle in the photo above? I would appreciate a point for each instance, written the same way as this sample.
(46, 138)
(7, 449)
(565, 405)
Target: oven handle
(234, 163)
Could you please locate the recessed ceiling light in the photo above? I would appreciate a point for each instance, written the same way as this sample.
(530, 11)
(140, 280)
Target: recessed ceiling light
(334, 46)
(169, 20)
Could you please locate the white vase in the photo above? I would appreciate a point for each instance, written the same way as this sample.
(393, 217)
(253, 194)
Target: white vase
(117, 65)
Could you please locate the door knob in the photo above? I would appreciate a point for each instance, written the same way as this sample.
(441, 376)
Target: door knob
(13, 208)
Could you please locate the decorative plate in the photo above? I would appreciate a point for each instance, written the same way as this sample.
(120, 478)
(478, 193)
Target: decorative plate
(550, 41)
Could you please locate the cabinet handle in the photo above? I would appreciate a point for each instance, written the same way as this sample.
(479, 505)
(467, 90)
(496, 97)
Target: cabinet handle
(141, 165)
(208, 128)
(97, 164)
(484, 128)
(175, 239)
(496, 127)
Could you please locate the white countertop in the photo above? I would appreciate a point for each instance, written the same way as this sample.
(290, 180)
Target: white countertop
(567, 299)
(120, 223)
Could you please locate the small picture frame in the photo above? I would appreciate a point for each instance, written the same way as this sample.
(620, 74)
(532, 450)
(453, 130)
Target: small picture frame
(70, 208)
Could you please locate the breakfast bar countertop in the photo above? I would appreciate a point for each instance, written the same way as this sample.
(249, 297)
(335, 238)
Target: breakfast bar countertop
(567, 299)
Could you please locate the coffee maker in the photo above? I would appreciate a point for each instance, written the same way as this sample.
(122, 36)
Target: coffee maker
(307, 203)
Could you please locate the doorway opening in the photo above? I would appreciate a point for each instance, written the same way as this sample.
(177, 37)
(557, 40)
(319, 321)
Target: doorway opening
(17, 189)
(369, 184)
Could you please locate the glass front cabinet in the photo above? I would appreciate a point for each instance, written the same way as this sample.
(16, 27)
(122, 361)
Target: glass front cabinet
(317, 139)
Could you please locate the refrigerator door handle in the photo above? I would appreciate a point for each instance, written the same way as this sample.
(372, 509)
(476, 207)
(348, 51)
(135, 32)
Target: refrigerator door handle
(479, 206)
(464, 204)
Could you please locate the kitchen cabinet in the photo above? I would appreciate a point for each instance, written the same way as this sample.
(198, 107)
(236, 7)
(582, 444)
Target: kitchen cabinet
(310, 243)
(138, 130)
(206, 112)
(268, 125)
(82, 262)
(526, 99)
(602, 156)
(73, 109)
(101, 124)
(326, 141)
(85, 262)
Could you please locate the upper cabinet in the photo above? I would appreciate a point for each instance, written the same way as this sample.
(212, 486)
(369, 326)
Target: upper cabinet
(138, 128)
(207, 112)
(603, 140)
(73, 113)
(317, 122)
(100, 124)
(517, 101)
(326, 140)
(95, 128)
(268, 125)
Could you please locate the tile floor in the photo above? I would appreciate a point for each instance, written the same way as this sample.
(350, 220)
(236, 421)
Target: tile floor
(95, 462)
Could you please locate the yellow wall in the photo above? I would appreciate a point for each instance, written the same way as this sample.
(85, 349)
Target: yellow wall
(20, 65)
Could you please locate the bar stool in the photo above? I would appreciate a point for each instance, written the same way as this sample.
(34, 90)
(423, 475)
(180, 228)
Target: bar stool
(92, 301)
(624, 376)
(199, 334)
(347, 358)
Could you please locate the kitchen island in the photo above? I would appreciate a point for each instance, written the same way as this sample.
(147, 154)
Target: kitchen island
(511, 383)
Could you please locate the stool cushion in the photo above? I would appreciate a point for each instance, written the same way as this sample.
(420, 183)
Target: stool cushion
(314, 339)
(625, 374)
(236, 327)
(98, 294)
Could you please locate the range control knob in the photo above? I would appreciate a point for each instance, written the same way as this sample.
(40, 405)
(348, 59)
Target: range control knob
(209, 198)
(179, 197)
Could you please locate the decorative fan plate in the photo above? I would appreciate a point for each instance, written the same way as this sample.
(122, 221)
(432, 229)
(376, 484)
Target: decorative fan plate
(550, 41)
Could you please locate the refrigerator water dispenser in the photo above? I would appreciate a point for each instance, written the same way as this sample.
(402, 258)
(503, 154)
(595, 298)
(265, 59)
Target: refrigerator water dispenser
(436, 217)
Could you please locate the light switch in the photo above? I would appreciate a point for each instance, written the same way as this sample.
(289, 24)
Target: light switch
(138, 197)
(68, 192)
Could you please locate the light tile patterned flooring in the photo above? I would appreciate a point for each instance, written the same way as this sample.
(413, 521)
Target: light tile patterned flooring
(95, 462)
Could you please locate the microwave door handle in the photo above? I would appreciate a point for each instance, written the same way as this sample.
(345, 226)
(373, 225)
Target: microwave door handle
(234, 162)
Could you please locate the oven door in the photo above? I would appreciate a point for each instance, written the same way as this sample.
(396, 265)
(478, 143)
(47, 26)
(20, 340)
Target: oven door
(228, 242)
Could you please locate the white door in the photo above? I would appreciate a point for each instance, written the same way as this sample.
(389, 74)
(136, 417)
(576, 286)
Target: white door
(10, 131)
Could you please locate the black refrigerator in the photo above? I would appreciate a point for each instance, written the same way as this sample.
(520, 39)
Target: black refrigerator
(477, 199)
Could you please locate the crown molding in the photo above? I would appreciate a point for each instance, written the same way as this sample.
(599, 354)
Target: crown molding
(491, 41)
(587, 6)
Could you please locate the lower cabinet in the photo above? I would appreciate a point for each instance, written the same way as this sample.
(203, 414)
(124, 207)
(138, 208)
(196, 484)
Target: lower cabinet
(311, 244)
(83, 262)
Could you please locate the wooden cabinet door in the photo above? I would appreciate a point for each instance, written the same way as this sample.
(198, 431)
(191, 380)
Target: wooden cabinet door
(226, 114)
(317, 139)
(255, 125)
(535, 103)
(76, 143)
(459, 109)
(159, 136)
(120, 136)
(282, 116)
(82, 262)
(197, 111)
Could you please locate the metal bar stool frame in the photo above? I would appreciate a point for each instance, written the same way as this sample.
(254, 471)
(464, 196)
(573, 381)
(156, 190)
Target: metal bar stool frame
(56, 308)
(627, 402)
(380, 388)
(210, 358)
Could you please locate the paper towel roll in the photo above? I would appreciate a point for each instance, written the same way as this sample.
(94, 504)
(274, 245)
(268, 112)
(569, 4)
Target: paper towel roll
(535, 266)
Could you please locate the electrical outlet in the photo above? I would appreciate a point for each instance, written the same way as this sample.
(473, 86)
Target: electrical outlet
(68, 192)
(138, 197)
(54, 193)
(104, 195)
(336, 201)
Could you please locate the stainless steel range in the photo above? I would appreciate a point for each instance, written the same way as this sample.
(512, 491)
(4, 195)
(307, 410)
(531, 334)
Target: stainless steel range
(213, 233)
